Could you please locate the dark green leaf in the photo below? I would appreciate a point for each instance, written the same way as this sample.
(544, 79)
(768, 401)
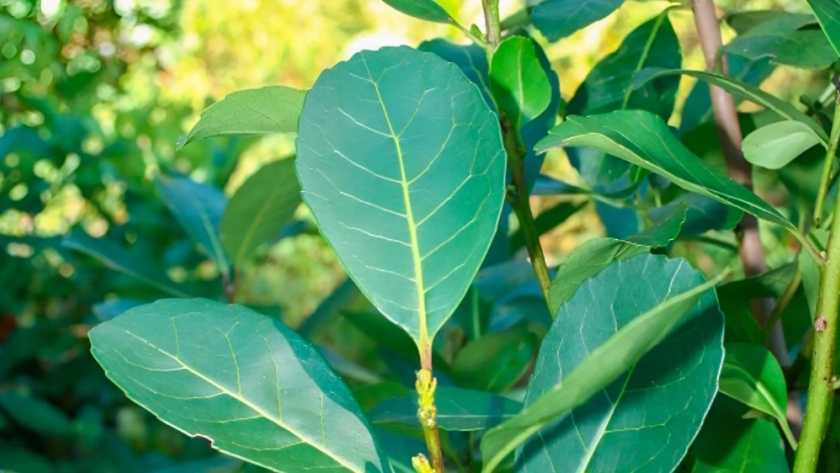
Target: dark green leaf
(753, 376)
(471, 59)
(198, 208)
(120, 259)
(330, 308)
(786, 40)
(774, 146)
(241, 379)
(828, 15)
(703, 214)
(518, 82)
(496, 361)
(263, 205)
(407, 191)
(428, 10)
(647, 416)
(743, 21)
(457, 410)
(18, 460)
(273, 109)
(35, 414)
(645, 140)
(742, 90)
(557, 19)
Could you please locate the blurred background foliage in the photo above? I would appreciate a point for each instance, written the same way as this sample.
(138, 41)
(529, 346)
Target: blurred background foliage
(94, 95)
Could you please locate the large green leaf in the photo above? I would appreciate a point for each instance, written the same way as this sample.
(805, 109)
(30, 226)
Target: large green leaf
(753, 376)
(593, 256)
(124, 261)
(198, 208)
(642, 138)
(557, 19)
(518, 82)
(786, 39)
(739, 89)
(402, 164)
(774, 146)
(457, 409)
(261, 207)
(241, 379)
(428, 10)
(729, 443)
(828, 15)
(273, 109)
(637, 366)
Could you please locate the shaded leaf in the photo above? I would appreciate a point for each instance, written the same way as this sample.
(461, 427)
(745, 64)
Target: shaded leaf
(409, 217)
(272, 109)
(107, 310)
(198, 208)
(645, 140)
(34, 414)
(428, 10)
(828, 15)
(786, 39)
(774, 146)
(560, 18)
(120, 259)
(496, 361)
(330, 308)
(518, 82)
(703, 214)
(743, 21)
(618, 325)
(260, 209)
(457, 410)
(241, 379)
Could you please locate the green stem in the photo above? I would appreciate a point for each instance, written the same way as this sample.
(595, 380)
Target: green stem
(469, 34)
(783, 302)
(820, 389)
(491, 20)
(833, 141)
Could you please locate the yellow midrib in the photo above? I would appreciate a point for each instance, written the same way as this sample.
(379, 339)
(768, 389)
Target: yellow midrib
(409, 217)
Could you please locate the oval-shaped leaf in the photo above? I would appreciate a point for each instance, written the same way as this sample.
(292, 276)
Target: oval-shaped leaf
(198, 208)
(428, 10)
(402, 164)
(783, 39)
(519, 84)
(828, 15)
(273, 109)
(496, 361)
(753, 376)
(35, 414)
(557, 19)
(241, 379)
(775, 145)
(259, 209)
(643, 419)
(642, 138)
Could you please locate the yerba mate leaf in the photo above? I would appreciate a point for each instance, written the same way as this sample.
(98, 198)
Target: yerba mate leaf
(242, 380)
(402, 164)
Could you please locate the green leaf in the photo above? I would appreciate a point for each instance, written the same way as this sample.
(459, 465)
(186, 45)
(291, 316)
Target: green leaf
(703, 214)
(753, 376)
(557, 19)
(590, 258)
(645, 416)
(786, 39)
(728, 443)
(330, 308)
(775, 145)
(120, 259)
(402, 164)
(273, 109)
(241, 379)
(428, 10)
(739, 89)
(262, 206)
(35, 414)
(828, 15)
(470, 58)
(743, 21)
(645, 140)
(457, 410)
(198, 208)
(519, 84)
(496, 361)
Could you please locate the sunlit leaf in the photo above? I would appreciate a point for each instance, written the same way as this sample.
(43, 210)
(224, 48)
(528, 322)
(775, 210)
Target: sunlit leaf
(518, 82)
(428, 10)
(560, 18)
(828, 15)
(774, 146)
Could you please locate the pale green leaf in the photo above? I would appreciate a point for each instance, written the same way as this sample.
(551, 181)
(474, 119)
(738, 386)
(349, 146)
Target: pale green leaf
(240, 379)
(775, 145)
(519, 84)
(402, 164)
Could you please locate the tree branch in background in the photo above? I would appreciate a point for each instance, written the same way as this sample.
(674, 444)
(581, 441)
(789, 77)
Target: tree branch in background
(729, 131)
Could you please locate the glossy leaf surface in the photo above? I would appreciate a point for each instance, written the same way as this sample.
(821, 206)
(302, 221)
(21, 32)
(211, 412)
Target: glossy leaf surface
(428, 10)
(402, 164)
(775, 145)
(243, 380)
(828, 15)
(753, 376)
(273, 109)
(518, 81)
(260, 208)
(560, 18)
(610, 326)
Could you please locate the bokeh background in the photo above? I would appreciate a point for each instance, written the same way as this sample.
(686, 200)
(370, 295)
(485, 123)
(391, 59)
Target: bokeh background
(94, 95)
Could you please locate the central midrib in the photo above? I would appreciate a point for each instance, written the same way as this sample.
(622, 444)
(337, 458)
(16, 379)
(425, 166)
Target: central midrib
(409, 217)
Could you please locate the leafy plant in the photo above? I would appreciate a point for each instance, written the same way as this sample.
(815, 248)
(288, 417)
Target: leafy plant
(411, 161)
